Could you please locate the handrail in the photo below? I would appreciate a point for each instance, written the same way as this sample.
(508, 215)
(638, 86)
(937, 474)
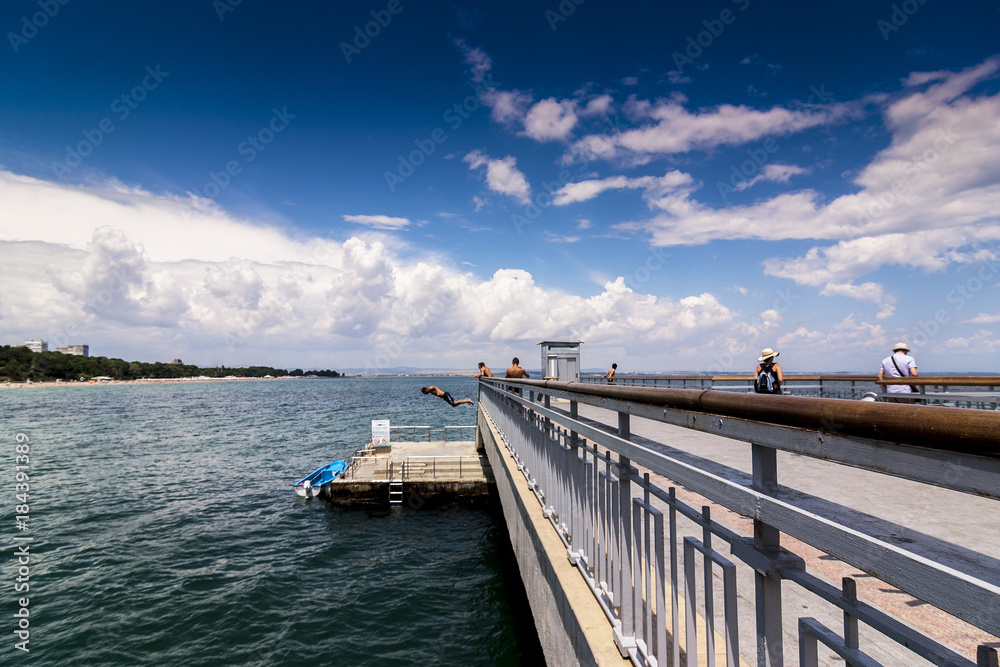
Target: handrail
(966, 431)
(733, 378)
(601, 506)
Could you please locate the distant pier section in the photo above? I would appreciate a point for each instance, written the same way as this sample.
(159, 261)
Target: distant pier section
(418, 465)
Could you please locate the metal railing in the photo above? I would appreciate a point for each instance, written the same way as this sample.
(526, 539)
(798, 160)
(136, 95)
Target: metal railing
(621, 529)
(428, 434)
(981, 392)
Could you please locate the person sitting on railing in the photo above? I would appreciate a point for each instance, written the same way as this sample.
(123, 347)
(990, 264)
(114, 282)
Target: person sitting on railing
(898, 364)
(610, 375)
(515, 370)
(437, 391)
(767, 378)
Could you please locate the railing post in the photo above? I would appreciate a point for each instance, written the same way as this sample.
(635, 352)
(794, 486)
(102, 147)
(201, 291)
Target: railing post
(851, 638)
(625, 635)
(767, 584)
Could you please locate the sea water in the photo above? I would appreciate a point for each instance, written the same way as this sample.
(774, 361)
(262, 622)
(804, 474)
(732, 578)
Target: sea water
(161, 528)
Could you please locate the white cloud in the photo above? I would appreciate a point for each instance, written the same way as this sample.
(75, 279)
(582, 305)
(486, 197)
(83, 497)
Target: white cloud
(283, 301)
(984, 318)
(845, 336)
(476, 59)
(981, 342)
(550, 120)
(930, 199)
(670, 128)
(502, 176)
(598, 106)
(379, 221)
(777, 173)
(652, 185)
(507, 106)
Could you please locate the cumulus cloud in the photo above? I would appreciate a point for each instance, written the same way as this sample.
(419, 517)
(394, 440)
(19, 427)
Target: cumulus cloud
(848, 335)
(981, 342)
(550, 120)
(502, 176)
(379, 221)
(507, 107)
(355, 302)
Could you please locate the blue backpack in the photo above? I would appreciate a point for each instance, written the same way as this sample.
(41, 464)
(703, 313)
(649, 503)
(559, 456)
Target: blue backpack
(767, 381)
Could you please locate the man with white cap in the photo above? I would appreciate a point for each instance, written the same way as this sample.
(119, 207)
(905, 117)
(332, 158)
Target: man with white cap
(767, 378)
(897, 365)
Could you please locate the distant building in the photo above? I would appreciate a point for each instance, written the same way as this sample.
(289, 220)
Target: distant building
(177, 361)
(78, 350)
(36, 345)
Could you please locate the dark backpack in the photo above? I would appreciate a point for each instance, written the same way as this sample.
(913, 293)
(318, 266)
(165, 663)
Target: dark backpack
(767, 381)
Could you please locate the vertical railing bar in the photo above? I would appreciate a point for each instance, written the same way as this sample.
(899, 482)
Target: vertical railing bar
(731, 616)
(706, 515)
(661, 594)
(647, 601)
(674, 583)
(690, 603)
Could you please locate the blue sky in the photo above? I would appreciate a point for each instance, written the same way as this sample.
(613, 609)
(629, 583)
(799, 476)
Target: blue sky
(429, 184)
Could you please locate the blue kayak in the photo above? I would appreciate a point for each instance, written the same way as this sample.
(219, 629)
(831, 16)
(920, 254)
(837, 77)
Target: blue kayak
(310, 485)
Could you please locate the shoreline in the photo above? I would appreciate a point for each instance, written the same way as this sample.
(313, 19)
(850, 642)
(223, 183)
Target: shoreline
(90, 383)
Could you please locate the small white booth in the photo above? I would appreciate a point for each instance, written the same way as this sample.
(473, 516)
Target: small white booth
(561, 360)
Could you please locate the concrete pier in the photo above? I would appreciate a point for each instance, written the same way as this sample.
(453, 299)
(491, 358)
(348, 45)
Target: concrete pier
(413, 473)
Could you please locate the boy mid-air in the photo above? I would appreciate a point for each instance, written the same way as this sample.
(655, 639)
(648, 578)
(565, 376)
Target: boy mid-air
(437, 391)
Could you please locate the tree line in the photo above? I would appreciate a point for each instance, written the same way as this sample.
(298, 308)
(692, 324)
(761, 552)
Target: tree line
(18, 364)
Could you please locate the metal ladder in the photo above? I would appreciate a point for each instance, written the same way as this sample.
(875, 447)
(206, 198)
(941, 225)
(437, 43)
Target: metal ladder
(395, 487)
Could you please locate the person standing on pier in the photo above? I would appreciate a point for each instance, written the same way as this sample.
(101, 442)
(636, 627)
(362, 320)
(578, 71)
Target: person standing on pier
(767, 378)
(484, 371)
(437, 391)
(897, 365)
(610, 375)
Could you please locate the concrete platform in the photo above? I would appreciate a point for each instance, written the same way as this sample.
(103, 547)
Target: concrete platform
(432, 471)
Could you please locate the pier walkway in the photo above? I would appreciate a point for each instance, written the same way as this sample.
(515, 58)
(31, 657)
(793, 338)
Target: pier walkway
(877, 544)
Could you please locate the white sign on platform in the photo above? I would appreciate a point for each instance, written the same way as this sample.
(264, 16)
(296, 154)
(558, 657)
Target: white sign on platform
(380, 431)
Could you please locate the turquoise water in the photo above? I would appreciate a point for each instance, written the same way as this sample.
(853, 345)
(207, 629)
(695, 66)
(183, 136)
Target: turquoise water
(165, 532)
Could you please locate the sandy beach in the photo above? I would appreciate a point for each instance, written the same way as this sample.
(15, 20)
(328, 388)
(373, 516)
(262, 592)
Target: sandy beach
(91, 383)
